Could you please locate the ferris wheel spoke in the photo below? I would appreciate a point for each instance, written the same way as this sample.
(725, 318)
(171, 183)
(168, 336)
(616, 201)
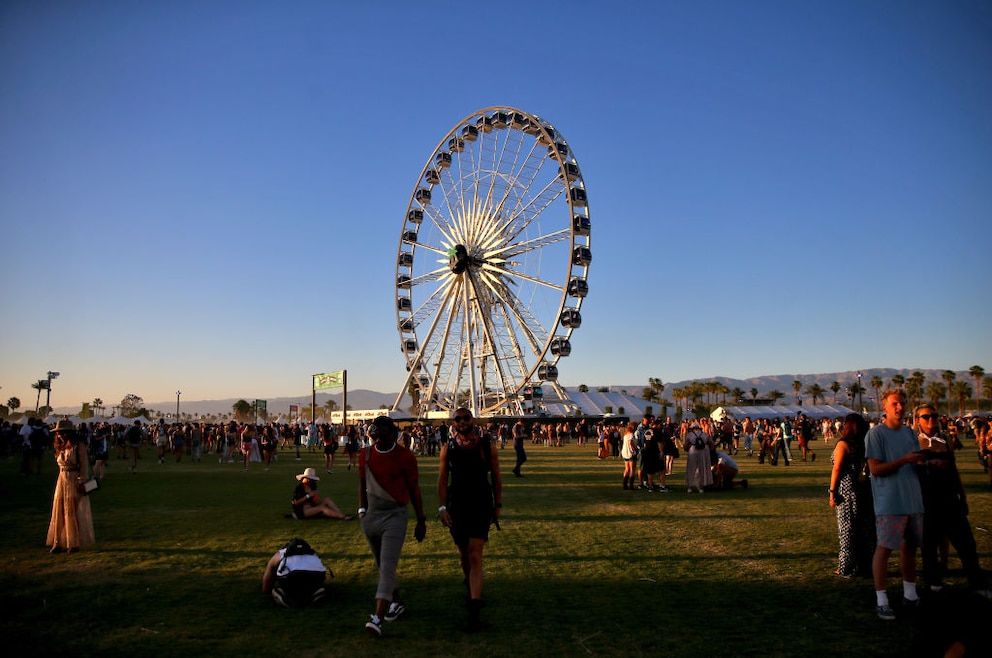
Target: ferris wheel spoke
(432, 303)
(519, 183)
(506, 354)
(521, 220)
(526, 323)
(436, 343)
(508, 275)
(430, 277)
(518, 248)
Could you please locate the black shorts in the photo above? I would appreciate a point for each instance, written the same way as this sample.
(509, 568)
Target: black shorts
(470, 523)
(330, 448)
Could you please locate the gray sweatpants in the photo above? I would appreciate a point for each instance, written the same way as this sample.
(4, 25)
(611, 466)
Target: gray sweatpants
(385, 531)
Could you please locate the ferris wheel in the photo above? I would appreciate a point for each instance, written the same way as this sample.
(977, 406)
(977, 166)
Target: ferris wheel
(492, 267)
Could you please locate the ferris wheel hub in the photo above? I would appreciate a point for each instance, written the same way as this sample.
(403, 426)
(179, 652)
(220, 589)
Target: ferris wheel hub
(458, 259)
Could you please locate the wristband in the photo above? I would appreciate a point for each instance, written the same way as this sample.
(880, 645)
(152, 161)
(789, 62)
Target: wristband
(442, 508)
(361, 510)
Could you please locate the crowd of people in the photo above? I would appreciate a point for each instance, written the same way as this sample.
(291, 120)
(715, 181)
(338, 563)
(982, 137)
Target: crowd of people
(894, 484)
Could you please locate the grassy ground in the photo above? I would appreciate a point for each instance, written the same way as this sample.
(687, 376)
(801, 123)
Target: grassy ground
(581, 567)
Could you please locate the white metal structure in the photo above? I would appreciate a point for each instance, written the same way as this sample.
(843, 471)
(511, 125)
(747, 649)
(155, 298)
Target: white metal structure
(491, 268)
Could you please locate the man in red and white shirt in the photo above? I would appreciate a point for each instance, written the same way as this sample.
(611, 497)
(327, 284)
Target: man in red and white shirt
(389, 481)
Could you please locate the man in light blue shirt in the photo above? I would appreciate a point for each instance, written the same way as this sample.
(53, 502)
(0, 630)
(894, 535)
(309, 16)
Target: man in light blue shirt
(893, 451)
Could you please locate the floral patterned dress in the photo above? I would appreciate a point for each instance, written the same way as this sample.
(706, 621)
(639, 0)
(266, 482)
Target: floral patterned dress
(855, 519)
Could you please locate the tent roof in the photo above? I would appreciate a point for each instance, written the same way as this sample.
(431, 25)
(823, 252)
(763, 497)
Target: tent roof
(790, 410)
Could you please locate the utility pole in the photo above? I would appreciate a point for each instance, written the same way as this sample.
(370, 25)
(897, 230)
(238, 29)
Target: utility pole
(48, 389)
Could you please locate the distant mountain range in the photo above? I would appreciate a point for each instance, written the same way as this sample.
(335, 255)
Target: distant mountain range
(365, 399)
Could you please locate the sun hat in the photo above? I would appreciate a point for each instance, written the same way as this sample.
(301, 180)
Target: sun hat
(64, 425)
(310, 474)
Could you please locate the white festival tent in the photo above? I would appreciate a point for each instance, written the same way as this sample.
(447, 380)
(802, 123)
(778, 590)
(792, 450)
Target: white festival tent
(124, 420)
(815, 411)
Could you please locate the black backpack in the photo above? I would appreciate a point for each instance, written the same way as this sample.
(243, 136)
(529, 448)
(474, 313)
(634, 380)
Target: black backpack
(298, 587)
(39, 438)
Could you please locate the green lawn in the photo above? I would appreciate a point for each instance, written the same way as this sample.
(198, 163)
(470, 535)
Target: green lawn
(581, 567)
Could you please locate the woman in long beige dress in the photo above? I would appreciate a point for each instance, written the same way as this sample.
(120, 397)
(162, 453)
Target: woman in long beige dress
(72, 522)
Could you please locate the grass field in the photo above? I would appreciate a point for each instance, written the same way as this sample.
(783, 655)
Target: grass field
(581, 567)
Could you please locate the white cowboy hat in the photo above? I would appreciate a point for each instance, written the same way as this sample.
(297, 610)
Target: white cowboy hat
(310, 474)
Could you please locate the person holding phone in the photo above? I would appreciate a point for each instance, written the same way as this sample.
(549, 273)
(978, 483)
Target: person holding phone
(893, 452)
(945, 504)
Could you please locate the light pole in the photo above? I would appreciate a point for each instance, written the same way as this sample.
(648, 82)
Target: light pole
(48, 393)
(861, 404)
(178, 393)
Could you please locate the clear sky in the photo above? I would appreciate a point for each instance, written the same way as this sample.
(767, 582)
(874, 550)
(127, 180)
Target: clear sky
(208, 196)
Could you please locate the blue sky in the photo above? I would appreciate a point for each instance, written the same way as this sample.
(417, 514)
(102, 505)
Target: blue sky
(208, 197)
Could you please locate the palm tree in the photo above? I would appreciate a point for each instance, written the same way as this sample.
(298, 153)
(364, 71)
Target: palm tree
(918, 378)
(696, 391)
(583, 388)
(40, 385)
(754, 396)
(719, 388)
(835, 387)
(877, 384)
(657, 385)
(977, 372)
(897, 381)
(961, 391)
(797, 386)
(854, 390)
(737, 394)
(97, 406)
(815, 391)
(914, 390)
(935, 392)
(949, 376)
(14, 404)
(775, 395)
(649, 394)
(710, 388)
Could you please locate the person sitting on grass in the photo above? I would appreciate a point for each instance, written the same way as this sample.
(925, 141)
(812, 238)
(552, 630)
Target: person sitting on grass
(725, 469)
(307, 504)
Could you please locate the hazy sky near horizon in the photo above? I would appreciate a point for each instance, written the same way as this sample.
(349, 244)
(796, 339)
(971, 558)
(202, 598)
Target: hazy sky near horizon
(208, 197)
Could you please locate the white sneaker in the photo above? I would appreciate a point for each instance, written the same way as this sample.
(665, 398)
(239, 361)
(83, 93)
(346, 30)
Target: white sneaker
(374, 626)
(279, 597)
(394, 611)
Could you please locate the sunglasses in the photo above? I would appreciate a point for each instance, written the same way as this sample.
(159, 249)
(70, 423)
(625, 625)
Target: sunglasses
(927, 416)
(459, 418)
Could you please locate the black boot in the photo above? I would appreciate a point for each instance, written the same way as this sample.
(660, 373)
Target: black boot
(625, 487)
(475, 623)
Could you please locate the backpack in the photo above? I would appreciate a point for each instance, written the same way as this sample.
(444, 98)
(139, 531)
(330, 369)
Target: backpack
(299, 576)
(39, 438)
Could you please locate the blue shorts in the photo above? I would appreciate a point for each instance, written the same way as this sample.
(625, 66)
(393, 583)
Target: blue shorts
(893, 529)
